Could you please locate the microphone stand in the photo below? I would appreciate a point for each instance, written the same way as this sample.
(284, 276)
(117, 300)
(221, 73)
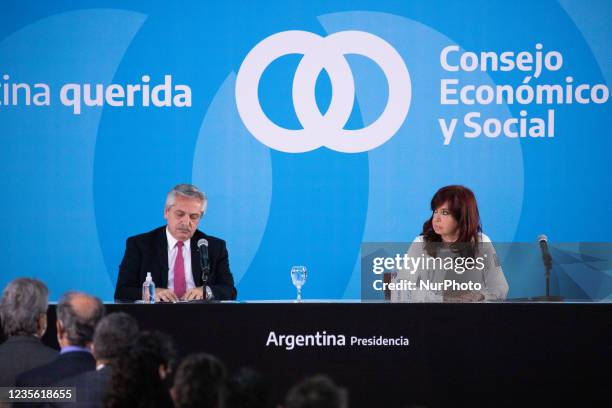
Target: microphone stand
(205, 266)
(547, 297)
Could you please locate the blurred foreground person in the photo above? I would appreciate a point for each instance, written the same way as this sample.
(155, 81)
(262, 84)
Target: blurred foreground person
(113, 336)
(141, 379)
(23, 313)
(316, 392)
(248, 389)
(200, 382)
(77, 316)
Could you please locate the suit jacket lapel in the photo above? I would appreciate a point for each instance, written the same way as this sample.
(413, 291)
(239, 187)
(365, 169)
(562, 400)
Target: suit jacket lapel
(162, 253)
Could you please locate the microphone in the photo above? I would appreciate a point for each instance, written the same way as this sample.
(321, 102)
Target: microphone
(204, 263)
(546, 258)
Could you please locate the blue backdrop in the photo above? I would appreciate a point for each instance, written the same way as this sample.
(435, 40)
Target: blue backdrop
(75, 186)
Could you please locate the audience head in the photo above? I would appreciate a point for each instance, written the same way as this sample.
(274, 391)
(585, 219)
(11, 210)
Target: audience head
(23, 309)
(141, 376)
(316, 392)
(113, 335)
(199, 382)
(248, 389)
(77, 316)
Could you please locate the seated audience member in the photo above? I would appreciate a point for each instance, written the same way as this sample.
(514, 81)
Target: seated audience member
(142, 377)
(316, 392)
(23, 312)
(200, 382)
(77, 316)
(113, 335)
(248, 389)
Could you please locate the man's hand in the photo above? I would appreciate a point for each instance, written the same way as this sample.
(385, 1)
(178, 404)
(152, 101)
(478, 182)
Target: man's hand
(194, 294)
(165, 295)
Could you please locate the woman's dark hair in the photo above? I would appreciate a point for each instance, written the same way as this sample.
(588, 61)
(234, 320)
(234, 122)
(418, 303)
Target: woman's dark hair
(135, 380)
(318, 391)
(200, 382)
(463, 208)
(248, 389)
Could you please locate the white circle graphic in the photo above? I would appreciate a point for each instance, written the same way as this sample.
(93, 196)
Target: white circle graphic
(323, 129)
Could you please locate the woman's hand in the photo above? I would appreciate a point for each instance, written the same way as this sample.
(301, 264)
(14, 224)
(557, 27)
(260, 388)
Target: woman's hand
(466, 296)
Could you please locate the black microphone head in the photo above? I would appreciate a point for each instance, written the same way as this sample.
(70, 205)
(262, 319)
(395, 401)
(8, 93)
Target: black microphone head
(543, 241)
(201, 242)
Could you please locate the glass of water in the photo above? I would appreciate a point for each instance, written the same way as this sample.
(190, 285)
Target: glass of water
(298, 277)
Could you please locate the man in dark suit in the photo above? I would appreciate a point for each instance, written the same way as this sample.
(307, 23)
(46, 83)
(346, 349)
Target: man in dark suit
(77, 316)
(172, 255)
(23, 313)
(114, 334)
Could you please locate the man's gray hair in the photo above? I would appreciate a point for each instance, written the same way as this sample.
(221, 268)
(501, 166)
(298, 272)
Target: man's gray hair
(79, 322)
(114, 334)
(189, 191)
(23, 301)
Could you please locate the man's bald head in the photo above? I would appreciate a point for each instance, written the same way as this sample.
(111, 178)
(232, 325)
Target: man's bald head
(79, 313)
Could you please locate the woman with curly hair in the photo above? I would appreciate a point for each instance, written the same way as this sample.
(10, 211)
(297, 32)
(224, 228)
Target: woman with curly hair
(453, 252)
(141, 378)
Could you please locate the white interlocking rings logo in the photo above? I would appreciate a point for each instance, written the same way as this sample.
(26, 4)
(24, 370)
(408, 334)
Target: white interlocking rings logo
(323, 53)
